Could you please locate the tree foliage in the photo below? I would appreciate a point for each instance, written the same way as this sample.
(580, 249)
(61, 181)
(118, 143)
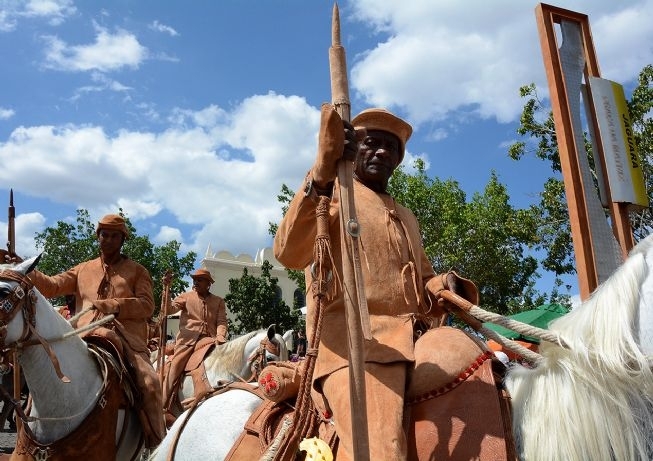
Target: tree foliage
(284, 198)
(484, 239)
(66, 245)
(256, 303)
(537, 125)
(640, 108)
(553, 224)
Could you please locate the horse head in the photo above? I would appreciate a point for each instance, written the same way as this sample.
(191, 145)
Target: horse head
(60, 404)
(275, 345)
(271, 347)
(17, 295)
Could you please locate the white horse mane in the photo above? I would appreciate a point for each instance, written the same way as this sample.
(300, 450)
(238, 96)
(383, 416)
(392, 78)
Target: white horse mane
(229, 356)
(593, 400)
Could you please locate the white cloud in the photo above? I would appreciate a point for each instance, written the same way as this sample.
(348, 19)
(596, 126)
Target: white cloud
(103, 83)
(108, 52)
(7, 22)
(228, 199)
(436, 59)
(6, 113)
(54, 12)
(167, 234)
(156, 25)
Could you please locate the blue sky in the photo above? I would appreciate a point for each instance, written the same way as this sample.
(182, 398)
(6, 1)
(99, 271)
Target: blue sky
(191, 115)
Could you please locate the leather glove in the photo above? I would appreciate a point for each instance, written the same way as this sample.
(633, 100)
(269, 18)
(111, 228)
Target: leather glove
(220, 340)
(8, 258)
(451, 281)
(107, 306)
(331, 143)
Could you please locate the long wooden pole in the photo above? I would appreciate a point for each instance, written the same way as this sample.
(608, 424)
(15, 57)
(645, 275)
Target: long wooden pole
(353, 287)
(11, 227)
(11, 249)
(163, 325)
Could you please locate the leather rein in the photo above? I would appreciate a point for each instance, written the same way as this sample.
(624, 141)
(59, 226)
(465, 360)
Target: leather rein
(259, 359)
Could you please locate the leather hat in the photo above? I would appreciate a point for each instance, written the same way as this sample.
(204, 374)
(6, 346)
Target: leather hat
(113, 222)
(383, 120)
(202, 274)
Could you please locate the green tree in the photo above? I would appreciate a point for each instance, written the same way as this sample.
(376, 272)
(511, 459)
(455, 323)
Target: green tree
(484, 239)
(256, 303)
(66, 245)
(284, 198)
(640, 108)
(554, 227)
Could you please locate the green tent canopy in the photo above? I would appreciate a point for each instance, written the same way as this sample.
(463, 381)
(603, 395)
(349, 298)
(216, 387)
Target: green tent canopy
(539, 317)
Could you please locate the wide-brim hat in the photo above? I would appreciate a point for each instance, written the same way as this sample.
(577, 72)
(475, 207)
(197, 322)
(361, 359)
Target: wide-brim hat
(383, 120)
(113, 222)
(202, 274)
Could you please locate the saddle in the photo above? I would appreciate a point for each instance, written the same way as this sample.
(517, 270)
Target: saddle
(455, 404)
(200, 351)
(194, 367)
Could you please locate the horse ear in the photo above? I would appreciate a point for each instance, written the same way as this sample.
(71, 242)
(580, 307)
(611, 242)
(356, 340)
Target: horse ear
(27, 266)
(33, 264)
(272, 331)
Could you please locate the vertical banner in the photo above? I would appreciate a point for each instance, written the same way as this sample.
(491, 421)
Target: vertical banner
(624, 170)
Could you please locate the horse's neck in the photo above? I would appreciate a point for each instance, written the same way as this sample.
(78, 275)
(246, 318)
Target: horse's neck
(60, 405)
(229, 361)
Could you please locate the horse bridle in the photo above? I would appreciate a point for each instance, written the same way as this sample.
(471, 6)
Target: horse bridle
(23, 298)
(259, 359)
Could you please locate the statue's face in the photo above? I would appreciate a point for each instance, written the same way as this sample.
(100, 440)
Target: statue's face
(201, 286)
(110, 241)
(378, 156)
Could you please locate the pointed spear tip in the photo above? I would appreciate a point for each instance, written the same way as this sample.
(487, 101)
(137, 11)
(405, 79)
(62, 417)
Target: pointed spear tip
(11, 197)
(335, 26)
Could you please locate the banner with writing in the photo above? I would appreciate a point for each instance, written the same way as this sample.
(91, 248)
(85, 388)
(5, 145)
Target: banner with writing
(624, 169)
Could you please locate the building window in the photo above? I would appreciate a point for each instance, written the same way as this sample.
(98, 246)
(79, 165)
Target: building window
(299, 299)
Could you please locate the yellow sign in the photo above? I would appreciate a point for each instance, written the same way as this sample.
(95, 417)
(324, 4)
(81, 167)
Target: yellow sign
(625, 174)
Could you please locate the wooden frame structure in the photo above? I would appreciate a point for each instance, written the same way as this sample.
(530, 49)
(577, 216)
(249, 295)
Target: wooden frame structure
(586, 226)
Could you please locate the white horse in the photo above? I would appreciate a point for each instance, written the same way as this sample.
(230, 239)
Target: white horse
(592, 401)
(238, 360)
(286, 337)
(66, 379)
(213, 428)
